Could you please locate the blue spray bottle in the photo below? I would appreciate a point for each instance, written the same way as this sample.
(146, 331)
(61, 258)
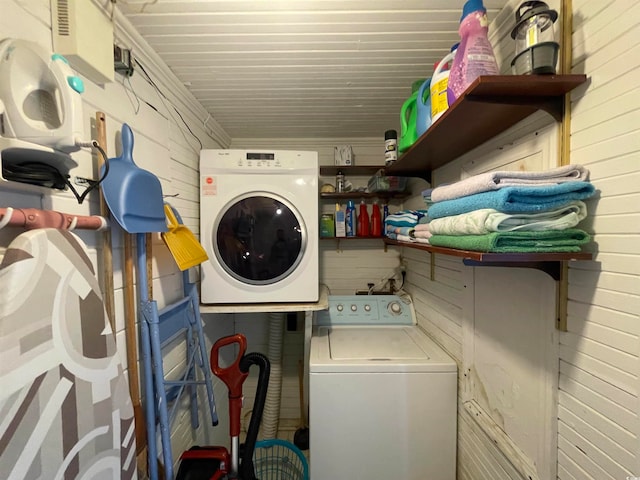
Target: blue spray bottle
(351, 219)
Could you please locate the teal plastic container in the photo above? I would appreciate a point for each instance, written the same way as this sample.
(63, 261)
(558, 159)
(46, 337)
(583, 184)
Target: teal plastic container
(423, 106)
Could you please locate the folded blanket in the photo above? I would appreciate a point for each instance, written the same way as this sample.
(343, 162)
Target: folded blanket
(487, 220)
(421, 234)
(515, 199)
(423, 227)
(517, 242)
(421, 240)
(404, 238)
(399, 230)
(405, 218)
(494, 180)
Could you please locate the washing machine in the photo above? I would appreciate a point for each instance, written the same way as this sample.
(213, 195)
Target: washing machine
(259, 226)
(382, 394)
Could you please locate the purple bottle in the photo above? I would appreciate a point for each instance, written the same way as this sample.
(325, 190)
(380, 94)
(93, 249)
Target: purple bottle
(474, 56)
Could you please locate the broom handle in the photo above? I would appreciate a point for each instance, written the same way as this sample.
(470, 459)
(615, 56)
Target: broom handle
(107, 252)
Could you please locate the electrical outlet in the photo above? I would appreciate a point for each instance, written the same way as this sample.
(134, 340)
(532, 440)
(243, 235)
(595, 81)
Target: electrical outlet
(122, 61)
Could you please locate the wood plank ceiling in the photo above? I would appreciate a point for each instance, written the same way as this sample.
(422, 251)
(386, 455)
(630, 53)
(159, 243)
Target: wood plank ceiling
(301, 68)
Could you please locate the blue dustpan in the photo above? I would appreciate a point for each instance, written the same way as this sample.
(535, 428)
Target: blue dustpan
(133, 195)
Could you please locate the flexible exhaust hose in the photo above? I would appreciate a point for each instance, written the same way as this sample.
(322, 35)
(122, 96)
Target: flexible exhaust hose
(246, 470)
(274, 354)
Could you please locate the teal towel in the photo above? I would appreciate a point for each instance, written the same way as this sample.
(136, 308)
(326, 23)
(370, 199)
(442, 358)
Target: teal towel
(544, 241)
(515, 199)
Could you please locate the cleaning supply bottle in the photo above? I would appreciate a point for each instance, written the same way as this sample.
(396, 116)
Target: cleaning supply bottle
(340, 230)
(390, 147)
(408, 114)
(475, 55)
(340, 182)
(363, 221)
(376, 220)
(351, 219)
(423, 104)
(438, 86)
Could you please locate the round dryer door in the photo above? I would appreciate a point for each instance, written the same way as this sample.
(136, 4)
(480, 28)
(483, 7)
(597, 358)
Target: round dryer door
(260, 239)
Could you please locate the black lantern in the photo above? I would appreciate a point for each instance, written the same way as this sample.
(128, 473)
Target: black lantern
(536, 48)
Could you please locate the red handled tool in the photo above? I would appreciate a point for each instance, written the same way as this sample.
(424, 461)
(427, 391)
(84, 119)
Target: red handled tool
(216, 463)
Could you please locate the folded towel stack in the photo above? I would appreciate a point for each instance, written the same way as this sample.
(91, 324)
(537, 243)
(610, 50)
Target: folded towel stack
(512, 211)
(402, 225)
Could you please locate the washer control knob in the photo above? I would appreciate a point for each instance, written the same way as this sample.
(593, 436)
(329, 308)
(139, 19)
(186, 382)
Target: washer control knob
(394, 308)
(339, 307)
(367, 308)
(354, 308)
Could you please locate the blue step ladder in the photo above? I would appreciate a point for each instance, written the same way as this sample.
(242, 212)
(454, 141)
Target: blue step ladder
(159, 328)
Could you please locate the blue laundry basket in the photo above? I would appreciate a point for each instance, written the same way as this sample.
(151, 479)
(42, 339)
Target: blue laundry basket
(276, 459)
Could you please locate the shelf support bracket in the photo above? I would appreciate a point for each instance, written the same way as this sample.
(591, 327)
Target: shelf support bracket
(554, 106)
(563, 297)
(432, 262)
(553, 269)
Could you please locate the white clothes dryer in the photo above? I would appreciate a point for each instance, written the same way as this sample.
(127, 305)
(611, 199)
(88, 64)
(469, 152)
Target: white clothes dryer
(259, 226)
(382, 394)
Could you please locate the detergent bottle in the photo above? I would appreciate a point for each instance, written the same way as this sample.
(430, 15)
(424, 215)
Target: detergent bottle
(438, 86)
(351, 219)
(376, 220)
(475, 55)
(363, 220)
(423, 104)
(408, 115)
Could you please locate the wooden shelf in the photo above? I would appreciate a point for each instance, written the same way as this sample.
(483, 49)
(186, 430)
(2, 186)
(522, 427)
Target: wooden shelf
(353, 170)
(551, 263)
(365, 195)
(351, 238)
(362, 170)
(490, 105)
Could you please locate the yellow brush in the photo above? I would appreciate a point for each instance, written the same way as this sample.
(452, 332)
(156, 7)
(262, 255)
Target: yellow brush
(182, 243)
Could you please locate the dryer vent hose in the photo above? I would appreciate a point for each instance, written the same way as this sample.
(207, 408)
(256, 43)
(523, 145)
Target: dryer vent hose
(274, 354)
(247, 470)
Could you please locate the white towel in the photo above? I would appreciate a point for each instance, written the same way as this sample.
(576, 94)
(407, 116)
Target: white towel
(486, 182)
(487, 220)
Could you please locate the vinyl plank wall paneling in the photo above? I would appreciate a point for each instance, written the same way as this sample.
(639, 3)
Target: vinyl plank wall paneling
(597, 359)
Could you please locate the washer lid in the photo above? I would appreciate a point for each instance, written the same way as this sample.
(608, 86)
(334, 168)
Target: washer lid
(352, 349)
(379, 344)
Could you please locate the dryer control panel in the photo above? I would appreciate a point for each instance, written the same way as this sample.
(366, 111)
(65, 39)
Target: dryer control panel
(367, 310)
(227, 161)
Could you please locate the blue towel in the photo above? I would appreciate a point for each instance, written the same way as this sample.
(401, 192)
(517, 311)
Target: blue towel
(515, 199)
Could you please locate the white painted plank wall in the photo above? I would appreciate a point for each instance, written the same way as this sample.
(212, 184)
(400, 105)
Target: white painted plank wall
(163, 145)
(598, 423)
